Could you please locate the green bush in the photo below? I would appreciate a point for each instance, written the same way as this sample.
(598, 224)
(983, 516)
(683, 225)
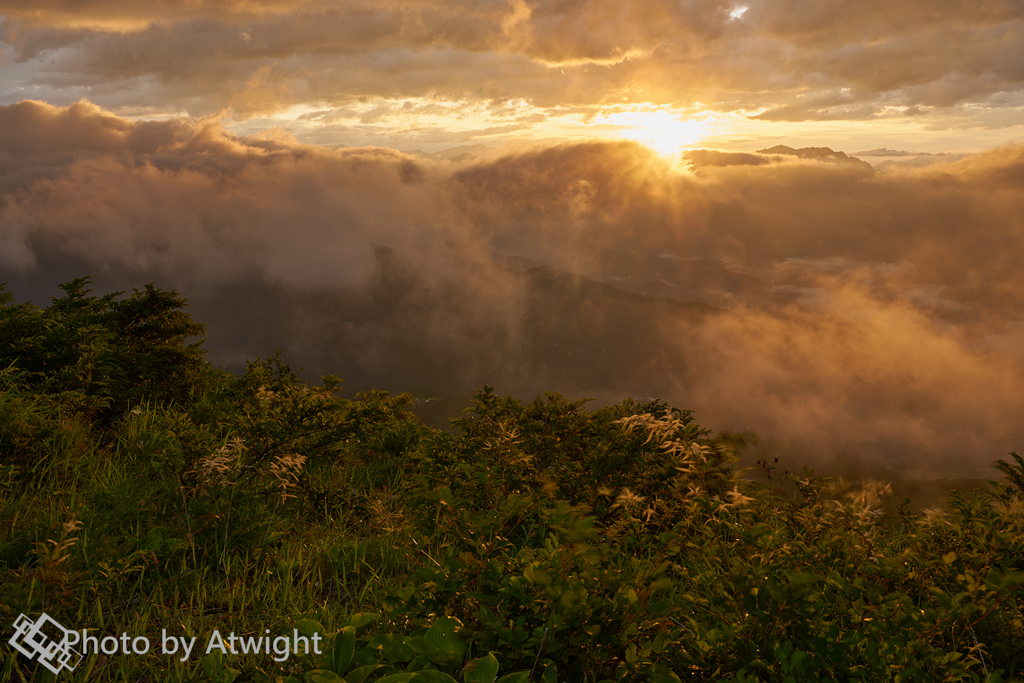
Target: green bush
(142, 489)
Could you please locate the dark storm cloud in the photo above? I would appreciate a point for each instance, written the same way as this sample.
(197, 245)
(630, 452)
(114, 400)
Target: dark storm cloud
(837, 311)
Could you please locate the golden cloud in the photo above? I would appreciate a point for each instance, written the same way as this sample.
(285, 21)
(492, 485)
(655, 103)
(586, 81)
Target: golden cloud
(837, 311)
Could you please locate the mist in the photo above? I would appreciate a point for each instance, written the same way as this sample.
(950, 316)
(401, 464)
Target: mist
(843, 314)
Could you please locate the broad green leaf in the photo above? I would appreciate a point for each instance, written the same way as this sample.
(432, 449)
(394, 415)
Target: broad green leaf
(309, 627)
(442, 635)
(213, 664)
(359, 675)
(344, 647)
(515, 677)
(435, 676)
(394, 647)
(420, 645)
(360, 620)
(664, 678)
(216, 669)
(323, 676)
(481, 669)
(446, 659)
(420, 663)
(400, 677)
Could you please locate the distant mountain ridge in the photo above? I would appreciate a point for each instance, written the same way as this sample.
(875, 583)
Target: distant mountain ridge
(818, 153)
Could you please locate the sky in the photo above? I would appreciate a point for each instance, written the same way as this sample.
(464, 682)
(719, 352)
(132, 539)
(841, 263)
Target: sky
(804, 220)
(915, 75)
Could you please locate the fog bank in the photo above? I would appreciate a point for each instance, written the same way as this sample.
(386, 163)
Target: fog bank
(840, 313)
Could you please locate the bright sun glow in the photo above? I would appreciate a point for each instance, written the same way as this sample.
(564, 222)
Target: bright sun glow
(660, 130)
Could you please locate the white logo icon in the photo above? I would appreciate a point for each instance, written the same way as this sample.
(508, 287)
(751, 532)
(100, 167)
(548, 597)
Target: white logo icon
(46, 639)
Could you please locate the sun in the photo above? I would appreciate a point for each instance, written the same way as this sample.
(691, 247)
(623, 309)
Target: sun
(664, 132)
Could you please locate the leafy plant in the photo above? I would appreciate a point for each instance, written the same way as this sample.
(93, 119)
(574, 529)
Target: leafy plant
(143, 490)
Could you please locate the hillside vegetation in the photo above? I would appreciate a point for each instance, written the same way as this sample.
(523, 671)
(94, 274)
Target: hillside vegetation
(144, 491)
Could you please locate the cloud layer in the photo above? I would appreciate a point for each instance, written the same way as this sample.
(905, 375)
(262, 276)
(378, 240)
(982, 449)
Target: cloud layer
(955, 62)
(839, 312)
